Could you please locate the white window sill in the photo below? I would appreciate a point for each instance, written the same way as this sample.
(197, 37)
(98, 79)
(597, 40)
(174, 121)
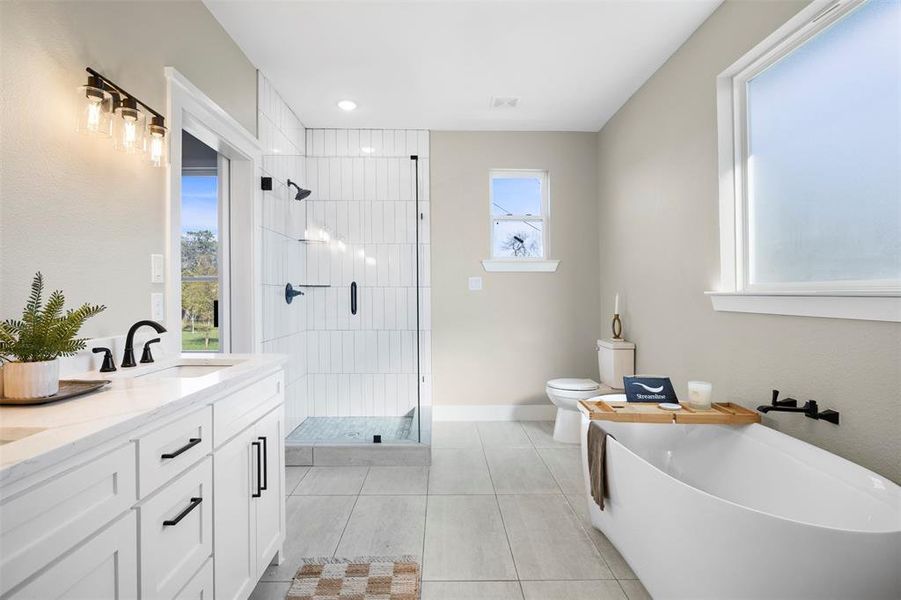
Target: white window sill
(865, 308)
(523, 265)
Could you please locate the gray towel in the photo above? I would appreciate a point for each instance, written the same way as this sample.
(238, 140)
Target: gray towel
(597, 462)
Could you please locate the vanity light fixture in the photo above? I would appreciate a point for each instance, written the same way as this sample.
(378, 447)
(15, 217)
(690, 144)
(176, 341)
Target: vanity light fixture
(347, 105)
(156, 146)
(107, 109)
(97, 106)
(129, 127)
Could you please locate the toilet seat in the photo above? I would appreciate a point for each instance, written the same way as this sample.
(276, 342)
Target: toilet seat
(573, 385)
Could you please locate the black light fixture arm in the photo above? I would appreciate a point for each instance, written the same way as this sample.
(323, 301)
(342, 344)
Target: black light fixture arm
(124, 93)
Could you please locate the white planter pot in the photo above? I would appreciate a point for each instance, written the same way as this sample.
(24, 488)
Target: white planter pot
(31, 380)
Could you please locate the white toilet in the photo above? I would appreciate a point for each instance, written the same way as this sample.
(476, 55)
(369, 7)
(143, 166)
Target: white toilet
(616, 359)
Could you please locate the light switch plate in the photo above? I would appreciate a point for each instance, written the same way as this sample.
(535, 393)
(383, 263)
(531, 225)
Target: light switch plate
(157, 307)
(156, 268)
(475, 284)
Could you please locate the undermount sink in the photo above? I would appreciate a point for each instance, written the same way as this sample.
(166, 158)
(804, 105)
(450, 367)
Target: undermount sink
(186, 371)
(14, 434)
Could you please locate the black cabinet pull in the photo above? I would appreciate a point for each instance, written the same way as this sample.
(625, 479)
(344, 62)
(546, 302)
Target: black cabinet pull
(195, 502)
(191, 443)
(259, 491)
(353, 297)
(265, 464)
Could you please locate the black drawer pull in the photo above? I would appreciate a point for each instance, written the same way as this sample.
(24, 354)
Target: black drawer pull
(353, 297)
(259, 491)
(191, 443)
(265, 470)
(195, 502)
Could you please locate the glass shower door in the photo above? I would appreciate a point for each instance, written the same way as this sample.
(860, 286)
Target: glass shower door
(363, 333)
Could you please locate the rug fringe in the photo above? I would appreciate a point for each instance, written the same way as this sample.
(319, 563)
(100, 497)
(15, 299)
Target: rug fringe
(337, 560)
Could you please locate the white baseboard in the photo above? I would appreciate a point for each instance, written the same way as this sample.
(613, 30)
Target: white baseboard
(494, 412)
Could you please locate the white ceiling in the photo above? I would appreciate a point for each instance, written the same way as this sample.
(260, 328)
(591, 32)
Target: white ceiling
(436, 64)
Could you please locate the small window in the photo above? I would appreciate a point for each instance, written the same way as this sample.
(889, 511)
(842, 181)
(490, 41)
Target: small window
(519, 202)
(809, 153)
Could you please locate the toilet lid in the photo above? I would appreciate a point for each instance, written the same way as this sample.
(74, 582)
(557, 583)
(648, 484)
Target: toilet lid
(573, 385)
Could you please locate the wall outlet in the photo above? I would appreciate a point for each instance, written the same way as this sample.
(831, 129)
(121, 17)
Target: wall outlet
(156, 268)
(157, 307)
(475, 284)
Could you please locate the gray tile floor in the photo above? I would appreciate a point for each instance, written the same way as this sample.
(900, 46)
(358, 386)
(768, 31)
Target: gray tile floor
(500, 515)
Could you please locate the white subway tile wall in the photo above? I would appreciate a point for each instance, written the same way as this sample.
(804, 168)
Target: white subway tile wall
(362, 209)
(283, 139)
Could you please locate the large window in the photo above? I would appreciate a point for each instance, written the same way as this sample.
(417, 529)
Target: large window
(518, 213)
(810, 157)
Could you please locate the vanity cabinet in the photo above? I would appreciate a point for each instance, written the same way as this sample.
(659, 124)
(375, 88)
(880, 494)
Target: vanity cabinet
(190, 505)
(269, 507)
(249, 480)
(176, 530)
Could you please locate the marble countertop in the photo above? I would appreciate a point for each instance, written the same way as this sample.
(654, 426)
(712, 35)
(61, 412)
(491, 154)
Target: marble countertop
(135, 397)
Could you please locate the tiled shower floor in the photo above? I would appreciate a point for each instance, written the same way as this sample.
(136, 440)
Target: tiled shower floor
(343, 430)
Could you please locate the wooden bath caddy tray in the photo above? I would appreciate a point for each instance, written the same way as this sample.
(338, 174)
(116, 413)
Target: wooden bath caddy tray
(721, 413)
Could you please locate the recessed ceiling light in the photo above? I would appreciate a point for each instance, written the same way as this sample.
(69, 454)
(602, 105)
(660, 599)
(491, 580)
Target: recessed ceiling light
(347, 105)
(367, 149)
(503, 102)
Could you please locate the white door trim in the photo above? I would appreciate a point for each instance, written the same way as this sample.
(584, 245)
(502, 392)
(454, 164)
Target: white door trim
(191, 110)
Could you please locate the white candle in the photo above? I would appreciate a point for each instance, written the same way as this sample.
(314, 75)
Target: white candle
(616, 305)
(699, 393)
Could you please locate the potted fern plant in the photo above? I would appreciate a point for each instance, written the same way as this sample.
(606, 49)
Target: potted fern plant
(31, 346)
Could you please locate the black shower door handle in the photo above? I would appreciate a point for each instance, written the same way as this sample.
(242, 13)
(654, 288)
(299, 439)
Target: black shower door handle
(353, 297)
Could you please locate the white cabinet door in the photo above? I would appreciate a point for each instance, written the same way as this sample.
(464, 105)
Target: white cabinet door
(269, 506)
(234, 481)
(106, 566)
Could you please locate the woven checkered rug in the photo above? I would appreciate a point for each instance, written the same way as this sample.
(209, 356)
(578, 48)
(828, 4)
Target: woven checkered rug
(367, 578)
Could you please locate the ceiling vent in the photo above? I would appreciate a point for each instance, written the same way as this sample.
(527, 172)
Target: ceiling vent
(503, 102)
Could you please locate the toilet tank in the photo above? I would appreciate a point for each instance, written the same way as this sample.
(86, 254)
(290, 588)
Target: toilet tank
(616, 359)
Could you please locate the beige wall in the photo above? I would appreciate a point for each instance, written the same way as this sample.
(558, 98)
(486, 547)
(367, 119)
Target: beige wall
(500, 345)
(657, 172)
(71, 206)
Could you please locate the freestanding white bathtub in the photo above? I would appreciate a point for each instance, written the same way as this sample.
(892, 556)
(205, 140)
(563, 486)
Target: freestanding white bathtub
(709, 511)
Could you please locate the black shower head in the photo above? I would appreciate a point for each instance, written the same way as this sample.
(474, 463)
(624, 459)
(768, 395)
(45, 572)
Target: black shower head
(301, 193)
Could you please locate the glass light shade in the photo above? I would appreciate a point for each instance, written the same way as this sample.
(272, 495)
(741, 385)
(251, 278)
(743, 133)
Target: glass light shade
(130, 124)
(155, 141)
(94, 116)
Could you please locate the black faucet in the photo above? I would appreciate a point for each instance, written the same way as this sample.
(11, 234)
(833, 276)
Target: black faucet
(810, 409)
(129, 359)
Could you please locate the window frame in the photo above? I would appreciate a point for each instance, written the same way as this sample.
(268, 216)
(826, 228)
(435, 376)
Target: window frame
(222, 172)
(516, 263)
(882, 299)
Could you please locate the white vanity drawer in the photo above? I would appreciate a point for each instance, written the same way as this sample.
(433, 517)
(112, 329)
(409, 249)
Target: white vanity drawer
(176, 526)
(235, 412)
(201, 585)
(47, 520)
(165, 452)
